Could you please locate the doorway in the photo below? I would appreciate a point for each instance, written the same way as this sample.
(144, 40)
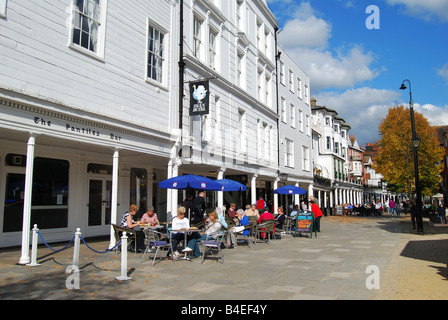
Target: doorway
(99, 206)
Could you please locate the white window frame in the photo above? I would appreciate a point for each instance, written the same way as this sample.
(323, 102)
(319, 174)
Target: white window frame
(241, 15)
(293, 115)
(260, 85)
(241, 69)
(301, 120)
(160, 78)
(291, 80)
(242, 128)
(305, 158)
(289, 153)
(3, 5)
(197, 37)
(308, 125)
(212, 48)
(283, 115)
(282, 73)
(101, 32)
(268, 91)
(299, 87)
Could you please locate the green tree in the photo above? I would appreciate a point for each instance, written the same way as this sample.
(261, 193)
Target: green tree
(395, 159)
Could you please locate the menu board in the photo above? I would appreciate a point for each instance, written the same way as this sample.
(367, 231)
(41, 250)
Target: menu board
(305, 223)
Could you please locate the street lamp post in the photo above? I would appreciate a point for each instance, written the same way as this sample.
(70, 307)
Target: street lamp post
(415, 145)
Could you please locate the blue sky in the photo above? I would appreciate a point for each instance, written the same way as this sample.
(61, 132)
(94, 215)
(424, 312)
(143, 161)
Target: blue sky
(357, 71)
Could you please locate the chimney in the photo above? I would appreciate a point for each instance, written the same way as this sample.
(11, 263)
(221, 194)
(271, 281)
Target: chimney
(313, 102)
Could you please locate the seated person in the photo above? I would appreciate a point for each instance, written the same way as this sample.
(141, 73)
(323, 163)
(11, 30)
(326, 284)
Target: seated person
(150, 217)
(127, 221)
(243, 220)
(294, 211)
(252, 212)
(280, 218)
(266, 215)
(178, 223)
(231, 213)
(212, 225)
(221, 217)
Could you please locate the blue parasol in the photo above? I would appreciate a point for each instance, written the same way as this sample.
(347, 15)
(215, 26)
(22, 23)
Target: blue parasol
(231, 185)
(290, 189)
(191, 181)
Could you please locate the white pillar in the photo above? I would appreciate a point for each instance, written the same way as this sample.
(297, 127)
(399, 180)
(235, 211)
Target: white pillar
(297, 197)
(276, 196)
(310, 194)
(221, 193)
(169, 209)
(331, 200)
(25, 258)
(319, 198)
(174, 192)
(253, 188)
(114, 197)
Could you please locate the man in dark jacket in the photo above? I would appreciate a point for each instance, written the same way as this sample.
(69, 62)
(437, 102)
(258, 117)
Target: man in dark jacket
(198, 208)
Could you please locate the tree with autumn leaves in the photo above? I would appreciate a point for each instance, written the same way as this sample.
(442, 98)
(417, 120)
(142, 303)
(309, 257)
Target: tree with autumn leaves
(395, 159)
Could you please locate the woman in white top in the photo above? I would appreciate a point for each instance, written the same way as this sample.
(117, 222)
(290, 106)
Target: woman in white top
(213, 225)
(179, 222)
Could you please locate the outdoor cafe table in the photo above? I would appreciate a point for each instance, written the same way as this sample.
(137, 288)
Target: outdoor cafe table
(186, 231)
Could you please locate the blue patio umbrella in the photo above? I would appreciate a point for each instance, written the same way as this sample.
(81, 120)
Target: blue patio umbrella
(290, 189)
(232, 185)
(191, 181)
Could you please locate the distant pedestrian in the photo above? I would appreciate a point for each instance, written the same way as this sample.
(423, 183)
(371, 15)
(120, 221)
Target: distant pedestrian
(198, 209)
(413, 212)
(391, 206)
(261, 204)
(317, 214)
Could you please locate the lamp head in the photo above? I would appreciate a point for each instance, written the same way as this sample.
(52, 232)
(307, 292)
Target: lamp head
(403, 87)
(416, 142)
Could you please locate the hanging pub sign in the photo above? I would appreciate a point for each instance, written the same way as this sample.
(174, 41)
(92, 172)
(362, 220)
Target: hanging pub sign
(199, 98)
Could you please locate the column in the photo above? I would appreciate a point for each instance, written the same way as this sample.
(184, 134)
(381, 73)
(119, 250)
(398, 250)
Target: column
(169, 209)
(220, 193)
(114, 197)
(174, 192)
(276, 195)
(310, 193)
(253, 188)
(25, 258)
(297, 197)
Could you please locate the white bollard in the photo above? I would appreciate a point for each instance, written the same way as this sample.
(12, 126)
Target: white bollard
(34, 248)
(124, 258)
(76, 250)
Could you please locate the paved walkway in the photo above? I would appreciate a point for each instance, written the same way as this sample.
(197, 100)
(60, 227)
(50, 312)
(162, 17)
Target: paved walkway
(331, 266)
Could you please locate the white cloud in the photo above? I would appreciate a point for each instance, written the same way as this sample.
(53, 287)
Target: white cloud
(444, 72)
(311, 32)
(362, 108)
(437, 116)
(330, 70)
(424, 9)
(305, 38)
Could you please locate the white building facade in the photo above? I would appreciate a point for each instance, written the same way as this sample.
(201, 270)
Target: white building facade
(89, 98)
(231, 44)
(331, 143)
(295, 127)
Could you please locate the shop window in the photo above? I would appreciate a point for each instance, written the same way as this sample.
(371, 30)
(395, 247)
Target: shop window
(49, 203)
